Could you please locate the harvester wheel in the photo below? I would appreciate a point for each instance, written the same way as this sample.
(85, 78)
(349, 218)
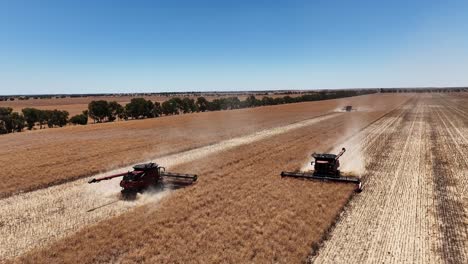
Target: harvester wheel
(158, 186)
(128, 195)
(359, 188)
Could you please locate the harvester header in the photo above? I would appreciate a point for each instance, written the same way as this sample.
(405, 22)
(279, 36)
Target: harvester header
(146, 175)
(326, 168)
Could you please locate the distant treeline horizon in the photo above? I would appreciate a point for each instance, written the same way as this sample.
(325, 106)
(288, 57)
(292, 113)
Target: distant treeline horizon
(186, 93)
(101, 111)
(227, 93)
(108, 111)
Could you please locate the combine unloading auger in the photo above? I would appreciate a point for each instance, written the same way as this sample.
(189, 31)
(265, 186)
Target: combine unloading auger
(326, 168)
(147, 175)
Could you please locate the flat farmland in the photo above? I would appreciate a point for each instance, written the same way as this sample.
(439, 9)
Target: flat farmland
(76, 105)
(241, 210)
(53, 213)
(63, 154)
(233, 173)
(414, 207)
(73, 105)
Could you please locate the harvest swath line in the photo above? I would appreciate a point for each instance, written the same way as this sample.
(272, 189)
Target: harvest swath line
(42, 216)
(361, 229)
(264, 217)
(367, 137)
(413, 208)
(95, 147)
(450, 206)
(370, 139)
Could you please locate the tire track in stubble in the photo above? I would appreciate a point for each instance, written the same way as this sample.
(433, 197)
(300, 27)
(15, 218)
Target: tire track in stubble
(42, 216)
(391, 220)
(450, 167)
(370, 137)
(366, 140)
(458, 121)
(386, 245)
(345, 239)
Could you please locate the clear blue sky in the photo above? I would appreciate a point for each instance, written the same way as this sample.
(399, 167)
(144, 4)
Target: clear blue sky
(153, 46)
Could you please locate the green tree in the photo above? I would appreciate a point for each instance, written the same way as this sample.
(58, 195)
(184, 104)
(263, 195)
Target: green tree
(31, 115)
(80, 119)
(49, 118)
(202, 104)
(188, 105)
(43, 116)
(10, 121)
(171, 106)
(157, 109)
(268, 101)
(288, 99)
(99, 110)
(115, 110)
(140, 108)
(149, 109)
(251, 101)
(55, 118)
(17, 122)
(58, 118)
(231, 103)
(279, 100)
(5, 119)
(224, 104)
(215, 105)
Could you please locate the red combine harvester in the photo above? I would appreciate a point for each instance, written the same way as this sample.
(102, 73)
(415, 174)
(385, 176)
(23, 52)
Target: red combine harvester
(326, 168)
(147, 175)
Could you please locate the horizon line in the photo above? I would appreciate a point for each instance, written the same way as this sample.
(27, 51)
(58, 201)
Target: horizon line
(239, 91)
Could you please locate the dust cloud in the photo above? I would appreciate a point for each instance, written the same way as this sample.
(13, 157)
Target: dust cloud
(353, 161)
(42, 216)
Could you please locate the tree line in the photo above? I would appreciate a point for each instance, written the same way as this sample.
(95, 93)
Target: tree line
(138, 108)
(15, 122)
(104, 111)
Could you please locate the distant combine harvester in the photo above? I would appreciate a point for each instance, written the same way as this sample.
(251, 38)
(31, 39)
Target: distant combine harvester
(348, 108)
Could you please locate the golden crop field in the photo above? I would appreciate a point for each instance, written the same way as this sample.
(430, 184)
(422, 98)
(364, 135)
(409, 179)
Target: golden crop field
(408, 149)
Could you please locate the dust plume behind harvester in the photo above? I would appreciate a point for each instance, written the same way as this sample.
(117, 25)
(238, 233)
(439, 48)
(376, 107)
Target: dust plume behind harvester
(326, 168)
(148, 175)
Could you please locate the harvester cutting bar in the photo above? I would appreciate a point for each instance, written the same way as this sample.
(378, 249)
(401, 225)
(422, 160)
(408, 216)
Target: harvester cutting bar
(318, 177)
(192, 177)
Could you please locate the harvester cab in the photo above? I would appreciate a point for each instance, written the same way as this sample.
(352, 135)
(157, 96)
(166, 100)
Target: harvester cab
(326, 168)
(327, 164)
(146, 175)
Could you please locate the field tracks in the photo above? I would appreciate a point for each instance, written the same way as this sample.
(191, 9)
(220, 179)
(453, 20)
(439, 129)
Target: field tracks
(450, 166)
(188, 150)
(42, 216)
(414, 207)
(374, 139)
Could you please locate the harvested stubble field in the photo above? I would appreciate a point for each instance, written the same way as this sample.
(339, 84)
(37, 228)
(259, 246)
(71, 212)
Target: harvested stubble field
(52, 213)
(239, 210)
(412, 158)
(63, 154)
(414, 207)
